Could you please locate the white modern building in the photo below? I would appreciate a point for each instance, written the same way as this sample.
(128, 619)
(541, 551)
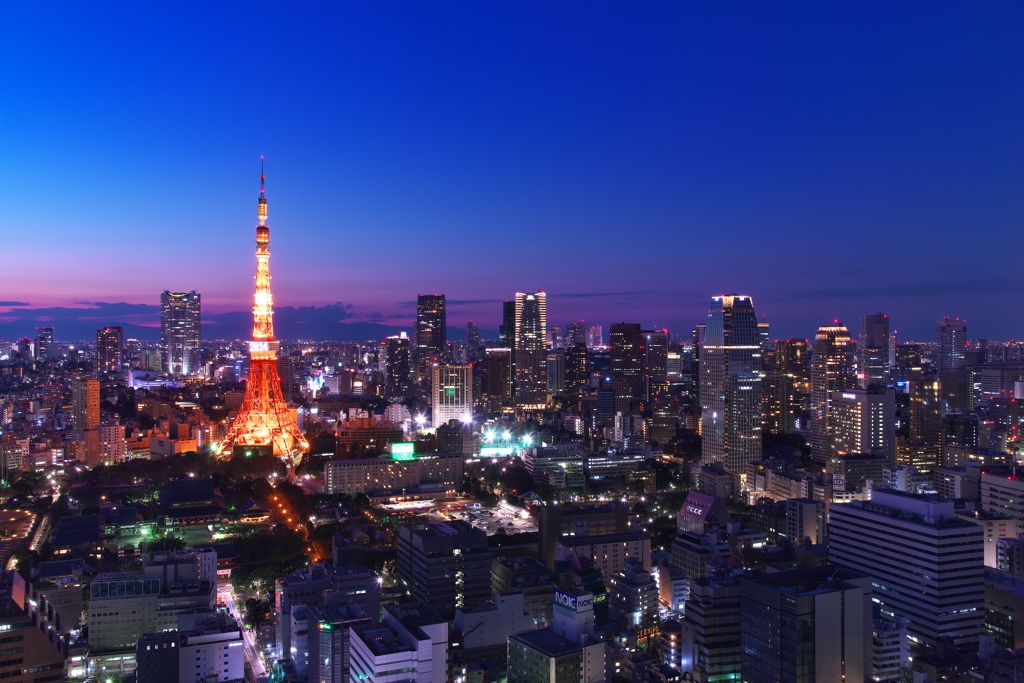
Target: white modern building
(926, 564)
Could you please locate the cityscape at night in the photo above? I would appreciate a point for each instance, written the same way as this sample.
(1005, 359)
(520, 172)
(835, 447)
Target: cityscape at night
(512, 343)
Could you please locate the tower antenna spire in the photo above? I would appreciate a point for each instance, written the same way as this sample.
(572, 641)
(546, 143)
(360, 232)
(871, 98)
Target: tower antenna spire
(262, 176)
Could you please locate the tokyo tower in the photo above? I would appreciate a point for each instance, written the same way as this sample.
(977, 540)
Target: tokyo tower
(264, 423)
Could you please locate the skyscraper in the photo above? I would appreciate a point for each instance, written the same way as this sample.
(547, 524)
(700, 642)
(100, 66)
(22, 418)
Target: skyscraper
(431, 327)
(863, 421)
(85, 403)
(451, 393)
(577, 368)
(44, 338)
(873, 350)
(805, 625)
(831, 370)
(576, 333)
(507, 330)
(730, 384)
(627, 356)
(655, 362)
(264, 423)
(923, 449)
(498, 379)
(530, 351)
(109, 349)
(952, 338)
(472, 342)
(180, 332)
(397, 365)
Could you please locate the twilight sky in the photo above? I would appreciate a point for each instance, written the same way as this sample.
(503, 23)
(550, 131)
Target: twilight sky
(631, 158)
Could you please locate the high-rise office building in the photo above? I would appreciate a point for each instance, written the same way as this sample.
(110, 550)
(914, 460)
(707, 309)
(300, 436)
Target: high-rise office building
(595, 336)
(472, 342)
(577, 367)
(655, 363)
(44, 338)
(805, 625)
(328, 640)
(627, 356)
(730, 384)
(445, 564)
(792, 359)
(556, 372)
(952, 339)
(576, 333)
(85, 403)
(711, 629)
(924, 444)
(530, 350)
(180, 320)
(451, 393)
(397, 365)
(863, 421)
(832, 370)
(431, 329)
(926, 564)
(507, 329)
(498, 379)
(34, 646)
(873, 350)
(109, 349)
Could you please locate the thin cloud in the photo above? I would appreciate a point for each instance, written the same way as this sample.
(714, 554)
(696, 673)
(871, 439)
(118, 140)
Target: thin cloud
(14, 303)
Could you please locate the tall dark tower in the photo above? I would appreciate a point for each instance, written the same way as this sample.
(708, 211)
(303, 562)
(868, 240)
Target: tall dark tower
(431, 326)
(531, 350)
(873, 350)
(264, 423)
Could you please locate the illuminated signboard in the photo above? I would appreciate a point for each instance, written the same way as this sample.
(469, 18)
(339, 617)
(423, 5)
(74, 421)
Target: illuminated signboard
(403, 450)
(496, 451)
(580, 603)
(850, 397)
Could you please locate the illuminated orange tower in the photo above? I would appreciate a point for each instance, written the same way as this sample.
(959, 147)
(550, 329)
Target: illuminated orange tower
(264, 423)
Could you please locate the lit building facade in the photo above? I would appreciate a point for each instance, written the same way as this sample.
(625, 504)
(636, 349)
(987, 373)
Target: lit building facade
(451, 393)
(952, 340)
(180, 320)
(109, 349)
(531, 325)
(925, 563)
(832, 370)
(431, 333)
(730, 384)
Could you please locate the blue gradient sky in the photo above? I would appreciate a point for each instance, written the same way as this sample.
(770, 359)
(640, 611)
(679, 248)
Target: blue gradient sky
(829, 159)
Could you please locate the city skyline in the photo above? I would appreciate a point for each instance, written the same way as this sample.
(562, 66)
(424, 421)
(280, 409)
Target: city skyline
(648, 136)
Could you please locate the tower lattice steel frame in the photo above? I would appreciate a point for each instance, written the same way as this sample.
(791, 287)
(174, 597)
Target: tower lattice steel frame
(264, 420)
